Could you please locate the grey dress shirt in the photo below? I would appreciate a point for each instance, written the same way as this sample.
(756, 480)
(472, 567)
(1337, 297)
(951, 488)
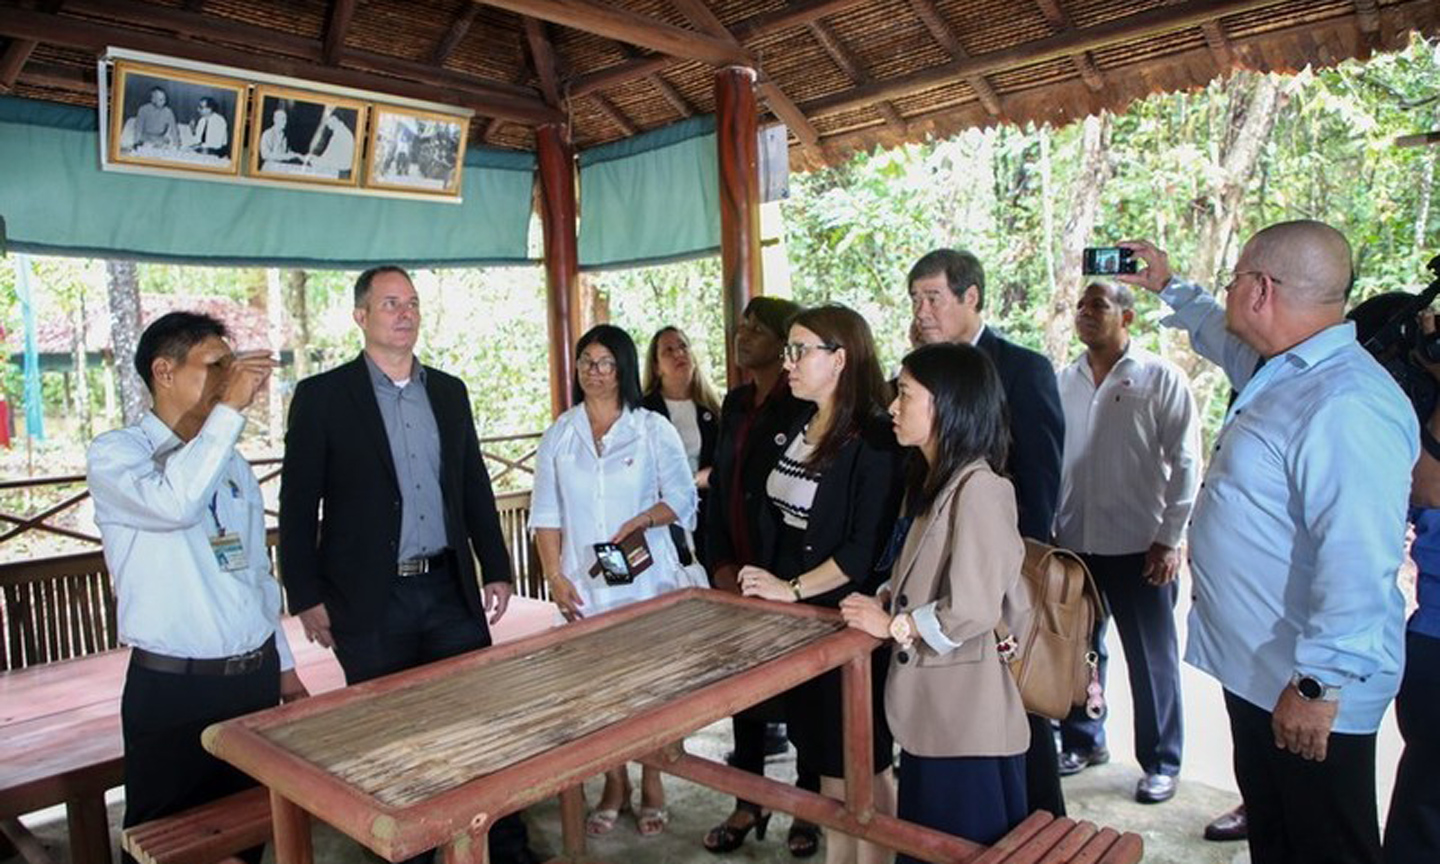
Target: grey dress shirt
(415, 448)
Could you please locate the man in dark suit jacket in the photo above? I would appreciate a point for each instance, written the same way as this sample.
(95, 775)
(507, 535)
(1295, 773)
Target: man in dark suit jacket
(947, 297)
(387, 576)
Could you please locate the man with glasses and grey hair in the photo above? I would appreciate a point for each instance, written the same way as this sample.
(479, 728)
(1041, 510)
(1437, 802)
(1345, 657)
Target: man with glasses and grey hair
(1297, 535)
(386, 576)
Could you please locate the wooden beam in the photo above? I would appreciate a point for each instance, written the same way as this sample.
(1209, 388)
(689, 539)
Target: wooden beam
(850, 65)
(542, 55)
(613, 114)
(741, 270)
(556, 163)
(942, 34)
(459, 28)
(1083, 62)
(621, 73)
(341, 11)
(1219, 44)
(96, 37)
(782, 105)
(622, 25)
(1152, 22)
(17, 53)
(57, 77)
(1367, 13)
(668, 92)
(1054, 15)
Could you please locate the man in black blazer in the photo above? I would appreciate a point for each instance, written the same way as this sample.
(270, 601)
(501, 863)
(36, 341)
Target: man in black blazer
(947, 298)
(388, 446)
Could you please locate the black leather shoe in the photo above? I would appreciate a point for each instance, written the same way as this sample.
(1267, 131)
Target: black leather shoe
(1229, 826)
(1155, 788)
(1072, 762)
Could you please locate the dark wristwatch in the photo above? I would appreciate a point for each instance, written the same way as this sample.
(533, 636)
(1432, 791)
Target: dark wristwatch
(1312, 690)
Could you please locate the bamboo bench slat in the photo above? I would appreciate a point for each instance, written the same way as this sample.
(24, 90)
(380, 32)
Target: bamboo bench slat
(209, 834)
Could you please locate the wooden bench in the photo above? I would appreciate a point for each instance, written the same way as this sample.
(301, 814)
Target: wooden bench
(1043, 839)
(208, 834)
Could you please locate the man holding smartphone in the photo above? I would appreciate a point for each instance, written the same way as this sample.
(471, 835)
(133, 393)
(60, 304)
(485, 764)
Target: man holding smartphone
(1297, 536)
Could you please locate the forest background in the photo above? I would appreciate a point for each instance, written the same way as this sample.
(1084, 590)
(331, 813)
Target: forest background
(1195, 172)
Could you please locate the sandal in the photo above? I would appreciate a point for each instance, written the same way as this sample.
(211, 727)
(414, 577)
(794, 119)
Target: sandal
(804, 839)
(602, 822)
(727, 838)
(650, 821)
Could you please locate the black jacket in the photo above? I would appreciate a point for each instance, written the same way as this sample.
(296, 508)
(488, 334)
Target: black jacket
(854, 511)
(1037, 431)
(336, 452)
(709, 425)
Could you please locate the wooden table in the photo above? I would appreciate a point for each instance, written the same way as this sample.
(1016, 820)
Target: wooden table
(60, 740)
(433, 756)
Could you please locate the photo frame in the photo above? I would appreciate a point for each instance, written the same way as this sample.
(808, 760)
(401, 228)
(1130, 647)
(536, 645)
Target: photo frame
(416, 151)
(176, 119)
(308, 137)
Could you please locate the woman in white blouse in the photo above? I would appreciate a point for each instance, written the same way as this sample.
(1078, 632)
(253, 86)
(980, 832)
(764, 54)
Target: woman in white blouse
(606, 469)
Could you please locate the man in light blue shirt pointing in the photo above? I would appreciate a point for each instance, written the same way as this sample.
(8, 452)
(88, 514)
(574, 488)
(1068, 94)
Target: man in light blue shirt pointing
(1296, 538)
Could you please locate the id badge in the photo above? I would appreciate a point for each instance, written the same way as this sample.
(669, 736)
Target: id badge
(229, 552)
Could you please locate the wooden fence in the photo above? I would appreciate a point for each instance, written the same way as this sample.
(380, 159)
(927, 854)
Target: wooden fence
(61, 606)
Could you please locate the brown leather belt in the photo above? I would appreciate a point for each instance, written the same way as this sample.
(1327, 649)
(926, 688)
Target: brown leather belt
(240, 664)
(421, 566)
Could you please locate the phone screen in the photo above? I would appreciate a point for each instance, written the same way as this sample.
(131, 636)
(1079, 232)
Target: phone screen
(1108, 261)
(612, 561)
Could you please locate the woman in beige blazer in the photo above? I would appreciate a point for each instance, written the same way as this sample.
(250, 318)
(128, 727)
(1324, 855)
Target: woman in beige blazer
(952, 704)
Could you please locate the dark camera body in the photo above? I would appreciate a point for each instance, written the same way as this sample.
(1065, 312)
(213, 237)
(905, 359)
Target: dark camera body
(1108, 261)
(1387, 326)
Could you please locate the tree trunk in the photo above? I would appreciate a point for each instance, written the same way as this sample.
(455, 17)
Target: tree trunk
(298, 307)
(1090, 179)
(83, 414)
(123, 292)
(275, 316)
(1047, 209)
(1251, 121)
(1422, 217)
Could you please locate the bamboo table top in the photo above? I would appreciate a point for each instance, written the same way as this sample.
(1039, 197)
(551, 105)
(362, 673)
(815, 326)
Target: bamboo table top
(410, 761)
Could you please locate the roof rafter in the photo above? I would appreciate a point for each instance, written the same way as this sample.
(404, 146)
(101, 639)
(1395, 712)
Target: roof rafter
(666, 90)
(1082, 61)
(542, 55)
(90, 36)
(459, 29)
(1163, 19)
(850, 65)
(613, 114)
(783, 107)
(338, 24)
(623, 25)
(1219, 44)
(942, 34)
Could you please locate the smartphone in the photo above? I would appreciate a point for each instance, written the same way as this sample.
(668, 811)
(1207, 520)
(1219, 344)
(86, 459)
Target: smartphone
(1108, 260)
(614, 566)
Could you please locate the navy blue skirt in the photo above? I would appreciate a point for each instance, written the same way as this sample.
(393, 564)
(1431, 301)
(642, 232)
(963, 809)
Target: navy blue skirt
(979, 798)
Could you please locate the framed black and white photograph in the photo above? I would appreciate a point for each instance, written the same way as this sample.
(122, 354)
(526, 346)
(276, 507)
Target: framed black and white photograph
(416, 151)
(309, 137)
(174, 118)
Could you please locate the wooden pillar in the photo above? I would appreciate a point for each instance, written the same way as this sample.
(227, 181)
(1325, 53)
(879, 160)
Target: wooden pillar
(562, 259)
(735, 135)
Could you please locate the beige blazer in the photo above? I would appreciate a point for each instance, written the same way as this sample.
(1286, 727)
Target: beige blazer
(961, 561)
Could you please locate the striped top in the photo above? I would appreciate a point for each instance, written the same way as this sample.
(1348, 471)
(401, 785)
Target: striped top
(791, 484)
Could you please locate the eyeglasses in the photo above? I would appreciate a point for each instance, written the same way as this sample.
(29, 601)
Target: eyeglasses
(1235, 277)
(795, 351)
(603, 366)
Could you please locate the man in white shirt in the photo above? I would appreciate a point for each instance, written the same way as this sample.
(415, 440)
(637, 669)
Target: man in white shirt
(183, 525)
(1131, 468)
(212, 133)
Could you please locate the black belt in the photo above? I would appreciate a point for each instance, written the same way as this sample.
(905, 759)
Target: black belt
(240, 664)
(420, 566)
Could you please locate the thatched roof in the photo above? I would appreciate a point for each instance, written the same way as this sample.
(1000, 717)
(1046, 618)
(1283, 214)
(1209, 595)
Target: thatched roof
(841, 73)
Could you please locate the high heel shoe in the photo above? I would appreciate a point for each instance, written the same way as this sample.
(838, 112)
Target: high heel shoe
(727, 838)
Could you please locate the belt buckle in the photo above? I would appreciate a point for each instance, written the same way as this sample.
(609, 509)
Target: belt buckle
(243, 664)
(413, 566)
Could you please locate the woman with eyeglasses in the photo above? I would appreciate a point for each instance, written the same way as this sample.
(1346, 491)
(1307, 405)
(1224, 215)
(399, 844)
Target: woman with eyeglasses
(832, 501)
(605, 470)
(676, 388)
(950, 699)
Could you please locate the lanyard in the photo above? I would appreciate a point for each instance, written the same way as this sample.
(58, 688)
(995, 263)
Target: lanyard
(215, 512)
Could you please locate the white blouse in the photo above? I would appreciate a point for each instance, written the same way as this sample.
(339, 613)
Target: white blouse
(588, 497)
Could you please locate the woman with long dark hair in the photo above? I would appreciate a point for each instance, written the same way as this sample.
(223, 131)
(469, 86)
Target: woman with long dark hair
(606, 470)
(950, 699)
(833, 498)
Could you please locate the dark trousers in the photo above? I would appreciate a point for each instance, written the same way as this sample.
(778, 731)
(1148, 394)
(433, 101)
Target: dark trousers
(1145, 616)
(750, 732)
(979, 798)
(161, 717)
(1042, 768)
(426, 620)
(1412, 832)
(1302, 811)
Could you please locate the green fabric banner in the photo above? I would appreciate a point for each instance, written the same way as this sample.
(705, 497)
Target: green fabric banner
(651, 198)
(56, 201)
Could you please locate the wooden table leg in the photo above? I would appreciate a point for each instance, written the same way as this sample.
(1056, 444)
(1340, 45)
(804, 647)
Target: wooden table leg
(467, 849)
(572, 824)
(292, 831)
(89, 824)
(859, 739)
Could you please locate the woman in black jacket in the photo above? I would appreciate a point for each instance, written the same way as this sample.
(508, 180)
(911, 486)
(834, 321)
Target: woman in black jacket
(676, 388)
(832, 501)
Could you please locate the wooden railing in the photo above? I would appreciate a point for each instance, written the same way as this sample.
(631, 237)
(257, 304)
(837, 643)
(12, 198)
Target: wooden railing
(58, 606)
